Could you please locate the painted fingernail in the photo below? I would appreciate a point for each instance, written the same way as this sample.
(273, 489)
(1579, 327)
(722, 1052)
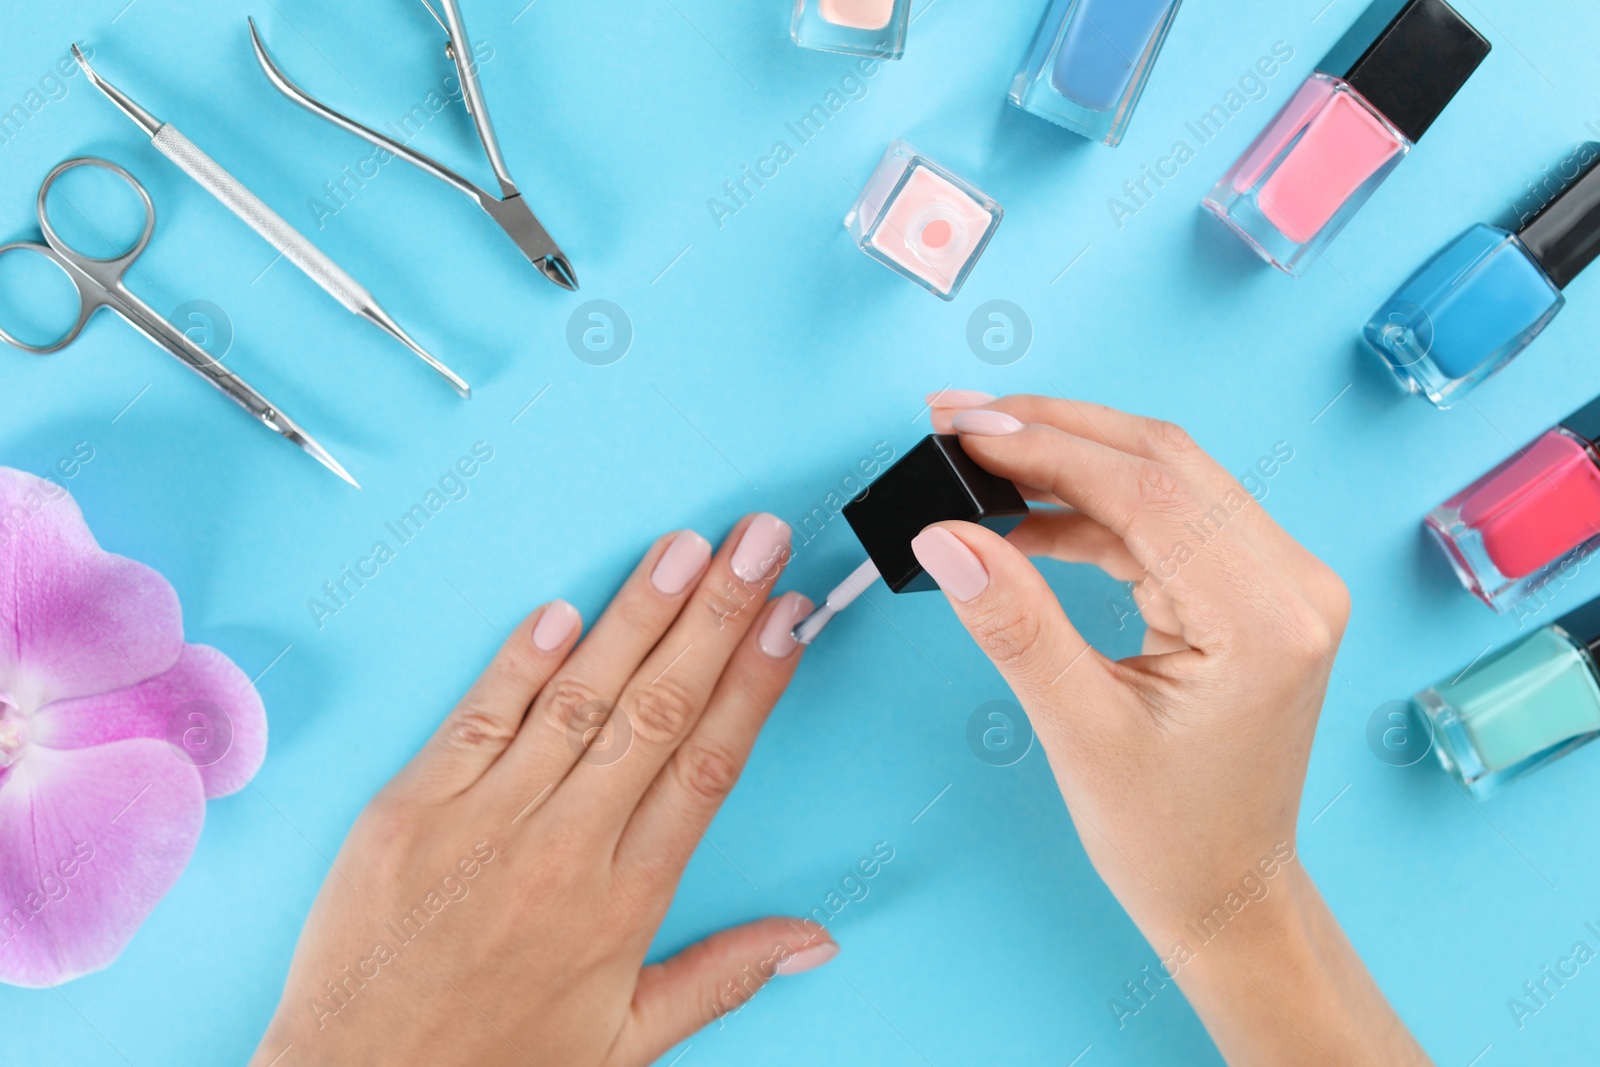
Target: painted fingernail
(681, 563)
(953, 565)
(762, 550)
(775, 638)
(985, 423)
(808, 959)
(554, 626)
(958, 398)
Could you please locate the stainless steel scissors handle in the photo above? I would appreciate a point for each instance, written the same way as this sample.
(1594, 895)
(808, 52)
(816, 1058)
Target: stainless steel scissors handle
(98, 282)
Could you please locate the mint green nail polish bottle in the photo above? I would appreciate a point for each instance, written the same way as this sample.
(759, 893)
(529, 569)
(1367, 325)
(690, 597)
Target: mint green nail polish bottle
(1520, 707)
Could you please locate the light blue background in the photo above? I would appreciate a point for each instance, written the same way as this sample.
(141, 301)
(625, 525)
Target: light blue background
(769, 357)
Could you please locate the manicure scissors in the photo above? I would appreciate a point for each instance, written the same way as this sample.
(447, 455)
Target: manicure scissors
(509, 211)
(99, 285)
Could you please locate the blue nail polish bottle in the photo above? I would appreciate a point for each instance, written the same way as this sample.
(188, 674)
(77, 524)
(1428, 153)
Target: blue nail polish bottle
(1090, 61)
(1478, 303)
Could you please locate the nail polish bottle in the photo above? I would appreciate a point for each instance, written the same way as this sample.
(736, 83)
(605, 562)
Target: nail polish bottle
(1511, 529)
(923, 222)
(1090, 62)
(1520, 707)
(856, 27)
(1358, 115)
(934, 482)
(1476, 305)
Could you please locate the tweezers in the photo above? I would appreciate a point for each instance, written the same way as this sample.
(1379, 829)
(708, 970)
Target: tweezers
(509, 211)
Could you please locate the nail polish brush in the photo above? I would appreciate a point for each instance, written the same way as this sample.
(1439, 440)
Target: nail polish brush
(843, 595)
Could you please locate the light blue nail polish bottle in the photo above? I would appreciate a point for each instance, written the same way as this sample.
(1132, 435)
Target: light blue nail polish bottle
(1090, 62)
(1520, 707)
(1476, 305)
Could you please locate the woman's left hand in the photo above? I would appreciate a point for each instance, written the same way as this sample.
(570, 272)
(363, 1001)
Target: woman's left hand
(495, 902)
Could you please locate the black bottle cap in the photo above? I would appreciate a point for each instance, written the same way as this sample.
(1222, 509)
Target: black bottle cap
(1565, 235)
(1408, 58)
(934, 482)
(1583, 625)
(1585, 422)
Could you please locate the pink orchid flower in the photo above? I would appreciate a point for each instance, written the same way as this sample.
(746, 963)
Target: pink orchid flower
(113, 734)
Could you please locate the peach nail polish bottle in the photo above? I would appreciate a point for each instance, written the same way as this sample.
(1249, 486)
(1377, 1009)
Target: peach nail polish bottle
(874, 28)
(923, 222)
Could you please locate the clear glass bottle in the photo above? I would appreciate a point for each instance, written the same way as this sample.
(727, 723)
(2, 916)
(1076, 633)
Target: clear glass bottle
(1476, 305)
(1506, 533)
(1090, 61)
(1336, 140)
(923, 222)
(855, 27)
(1521, 707)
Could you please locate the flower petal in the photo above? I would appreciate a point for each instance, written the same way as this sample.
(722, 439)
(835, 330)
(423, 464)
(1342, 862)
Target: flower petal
(74, 619)
(205, 706)
(90, 841)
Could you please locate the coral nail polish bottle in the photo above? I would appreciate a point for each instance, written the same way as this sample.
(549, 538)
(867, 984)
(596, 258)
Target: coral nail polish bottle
(1521, 707)
(1368, 103)
(923, 222)
(1090, 62)
(1508, 531)
(856, 27)
(1476, 305)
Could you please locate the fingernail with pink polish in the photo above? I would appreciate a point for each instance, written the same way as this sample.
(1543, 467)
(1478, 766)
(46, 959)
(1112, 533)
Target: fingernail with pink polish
(953, 565)
(554, 626)
(681, 563)
(775, 638)
(985, 423)
(762, 550)
(959, 398)
(808, 959)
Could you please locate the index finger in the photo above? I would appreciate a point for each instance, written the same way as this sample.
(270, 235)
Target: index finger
(1166, 523)
(1171, 446)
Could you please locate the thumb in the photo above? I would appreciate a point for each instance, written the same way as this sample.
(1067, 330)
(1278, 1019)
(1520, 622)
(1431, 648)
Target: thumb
(715, 978)
(1005, 603)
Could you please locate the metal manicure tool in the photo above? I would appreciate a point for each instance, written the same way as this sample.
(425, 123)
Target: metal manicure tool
(509, 211)
(98, 281)
(269, 224)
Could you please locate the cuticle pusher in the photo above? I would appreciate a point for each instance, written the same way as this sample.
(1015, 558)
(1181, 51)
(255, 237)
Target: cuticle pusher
(249, 208)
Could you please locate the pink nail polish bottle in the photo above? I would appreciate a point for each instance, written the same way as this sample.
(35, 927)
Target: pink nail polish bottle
(923, 222)
(874, 28)
(1368, 103)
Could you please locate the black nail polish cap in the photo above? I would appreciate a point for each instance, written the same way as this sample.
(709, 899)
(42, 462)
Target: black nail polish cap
(1565, 235)
(934, 482)
(1585, 422)
(1408, 58)
(1583, 625)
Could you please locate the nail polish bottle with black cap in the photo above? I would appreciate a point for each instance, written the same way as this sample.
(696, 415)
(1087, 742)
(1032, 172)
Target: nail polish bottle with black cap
(1367, 104)
(1521, 707)
(1534, 515)
(1476, 305)
(934, 482)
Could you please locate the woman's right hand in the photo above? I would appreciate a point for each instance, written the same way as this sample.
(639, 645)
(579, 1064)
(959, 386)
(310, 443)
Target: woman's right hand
(1182, 767)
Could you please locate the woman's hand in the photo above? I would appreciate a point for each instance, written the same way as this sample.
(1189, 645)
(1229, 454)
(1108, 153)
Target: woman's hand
(494, 903)
(1182, 767)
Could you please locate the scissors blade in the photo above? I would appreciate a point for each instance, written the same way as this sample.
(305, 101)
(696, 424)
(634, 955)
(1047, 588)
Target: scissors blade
(518, 222)
(144, 318)
(291, 431)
